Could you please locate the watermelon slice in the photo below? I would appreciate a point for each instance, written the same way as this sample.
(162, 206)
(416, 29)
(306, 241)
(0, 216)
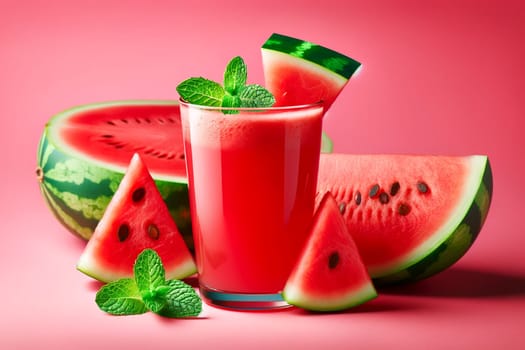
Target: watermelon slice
(410, 216)
(135, 219)
(300, 72)
(330, 275)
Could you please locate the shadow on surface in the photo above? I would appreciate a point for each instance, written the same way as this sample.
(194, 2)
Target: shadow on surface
(464, 282)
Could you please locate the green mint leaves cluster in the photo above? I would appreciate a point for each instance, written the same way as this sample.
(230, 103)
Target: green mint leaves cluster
(149, 291)
(234, 93)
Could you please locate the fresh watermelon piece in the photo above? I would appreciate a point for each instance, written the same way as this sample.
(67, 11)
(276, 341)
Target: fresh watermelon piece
(300, 72)
(410, 216)
(135, 219)
(329, 275)
(84, 152)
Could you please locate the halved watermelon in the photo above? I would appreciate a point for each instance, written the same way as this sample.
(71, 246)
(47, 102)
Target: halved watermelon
(410, 216)
(84, 152)
(300, 72)
(135, 219)
(329, 275)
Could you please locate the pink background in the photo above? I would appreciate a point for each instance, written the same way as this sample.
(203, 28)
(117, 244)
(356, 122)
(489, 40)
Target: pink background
(443, 77)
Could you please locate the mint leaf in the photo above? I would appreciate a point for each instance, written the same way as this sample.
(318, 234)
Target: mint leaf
(235, 76)
(150, 277)
(149, 290)
(121, 297)
(181, 301)
(155, 299)
(149, 271)
(235, 93)
(231, 101)
(201, 91)
(256, 96)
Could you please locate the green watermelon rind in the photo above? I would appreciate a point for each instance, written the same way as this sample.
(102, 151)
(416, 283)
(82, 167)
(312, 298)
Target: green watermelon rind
(91, 268)
(453, 245)
(350, 299)
(77, 189)
(324, 57)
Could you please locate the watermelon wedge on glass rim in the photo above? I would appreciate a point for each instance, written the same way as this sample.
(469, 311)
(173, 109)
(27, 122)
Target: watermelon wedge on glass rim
(300, 72)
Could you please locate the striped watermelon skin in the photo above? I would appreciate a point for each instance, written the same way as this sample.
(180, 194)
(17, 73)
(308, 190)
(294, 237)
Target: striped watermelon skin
(329, 59)
(77, 191)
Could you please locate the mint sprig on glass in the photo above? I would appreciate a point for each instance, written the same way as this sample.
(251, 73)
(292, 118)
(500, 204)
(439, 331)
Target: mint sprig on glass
(233, 93)
(149, 291)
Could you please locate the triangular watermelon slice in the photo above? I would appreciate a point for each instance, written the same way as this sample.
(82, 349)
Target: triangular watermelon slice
(330, 275)
(299, 72)
(135, 219)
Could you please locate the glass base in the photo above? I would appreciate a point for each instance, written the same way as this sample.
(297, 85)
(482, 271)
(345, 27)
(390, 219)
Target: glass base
(242, 301)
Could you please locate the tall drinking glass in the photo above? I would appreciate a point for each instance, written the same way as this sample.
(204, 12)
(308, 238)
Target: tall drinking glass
(252, 181)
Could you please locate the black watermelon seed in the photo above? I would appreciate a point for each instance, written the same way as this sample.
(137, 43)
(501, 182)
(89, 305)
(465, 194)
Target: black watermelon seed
(357, 198)
(342, 207)
(374, 191)
(107, 136)
(394, 188)
(403, 209)
(384, 198)
(422, 187)
(333, 260)
(123, 232)
(138, 194)
(153, 231)
(40, 174)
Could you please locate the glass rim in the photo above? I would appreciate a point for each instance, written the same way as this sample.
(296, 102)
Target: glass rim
(253, 109)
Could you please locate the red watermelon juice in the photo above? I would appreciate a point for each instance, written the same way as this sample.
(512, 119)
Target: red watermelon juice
(252, 182)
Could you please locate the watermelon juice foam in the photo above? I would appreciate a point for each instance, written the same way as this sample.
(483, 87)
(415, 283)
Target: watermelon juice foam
(252, 181)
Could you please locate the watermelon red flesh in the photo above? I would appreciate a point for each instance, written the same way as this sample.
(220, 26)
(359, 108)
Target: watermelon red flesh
(395, 226)
(330, 274)
(110, 135)
(135, 219)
